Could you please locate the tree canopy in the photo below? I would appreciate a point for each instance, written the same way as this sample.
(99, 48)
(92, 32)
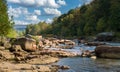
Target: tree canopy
(89, 19)
(5, 23)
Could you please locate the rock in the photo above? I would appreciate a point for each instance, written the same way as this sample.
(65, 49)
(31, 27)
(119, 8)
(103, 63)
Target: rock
(105, 36)
(57, 53)
(2, 40)
(16, 48)
(94, 43)
(2, 48)
(5, 54)
(20, 56)
(43, 60)
(64, 67)
(27, 44)
(86, 53)
(28, 36)
(93, 57)
(43, 68)
(108, 52)
(7, 45)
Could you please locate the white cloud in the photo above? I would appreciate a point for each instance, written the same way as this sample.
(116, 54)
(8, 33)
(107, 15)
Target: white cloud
(49, 20)
(52, 11)
(32, 17)
(27, 2)
(36, 3)
(61, 2)
(20, 22)
(88, 1)
(37, 12)
(16, 12)
(14, 1)
(85, 1)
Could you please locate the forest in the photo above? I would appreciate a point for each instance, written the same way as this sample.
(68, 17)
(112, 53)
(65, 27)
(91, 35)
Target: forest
(87, 20)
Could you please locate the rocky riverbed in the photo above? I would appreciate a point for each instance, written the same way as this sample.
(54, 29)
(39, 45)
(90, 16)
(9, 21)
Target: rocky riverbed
(24, 54)
(31, 55)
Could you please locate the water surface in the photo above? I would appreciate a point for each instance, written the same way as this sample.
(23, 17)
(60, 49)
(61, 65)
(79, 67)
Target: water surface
(78, 64)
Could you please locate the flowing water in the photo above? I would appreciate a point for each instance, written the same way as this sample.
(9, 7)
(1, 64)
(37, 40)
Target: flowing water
(80, 64)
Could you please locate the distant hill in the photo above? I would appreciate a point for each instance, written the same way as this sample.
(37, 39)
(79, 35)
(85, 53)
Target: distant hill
(20, 27)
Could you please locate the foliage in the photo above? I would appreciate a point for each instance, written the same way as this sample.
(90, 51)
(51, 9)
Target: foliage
(6, 25)
(38, 29)
(89, 19)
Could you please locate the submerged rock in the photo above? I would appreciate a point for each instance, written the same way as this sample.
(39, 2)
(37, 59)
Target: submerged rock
(108, 52)
(64, 67)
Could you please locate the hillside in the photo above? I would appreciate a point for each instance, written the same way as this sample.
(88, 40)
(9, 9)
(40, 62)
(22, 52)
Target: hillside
(87, 20)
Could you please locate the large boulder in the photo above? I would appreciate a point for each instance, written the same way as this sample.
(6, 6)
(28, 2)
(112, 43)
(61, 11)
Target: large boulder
(27, 44)
(108, 52)
(105, 36)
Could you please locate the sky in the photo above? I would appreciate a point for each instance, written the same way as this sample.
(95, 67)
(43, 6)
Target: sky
(34, 11)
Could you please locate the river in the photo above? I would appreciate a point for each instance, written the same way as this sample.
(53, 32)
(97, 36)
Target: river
(80, 64)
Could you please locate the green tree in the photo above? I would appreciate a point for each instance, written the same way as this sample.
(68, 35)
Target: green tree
(114, 18)
(5, 23)
(101, 26)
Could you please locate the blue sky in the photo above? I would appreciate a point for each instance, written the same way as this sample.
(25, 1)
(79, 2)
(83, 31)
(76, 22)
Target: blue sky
(33, 11)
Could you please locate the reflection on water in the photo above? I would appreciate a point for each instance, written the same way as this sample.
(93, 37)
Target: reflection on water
(113, 44)
(78, 64)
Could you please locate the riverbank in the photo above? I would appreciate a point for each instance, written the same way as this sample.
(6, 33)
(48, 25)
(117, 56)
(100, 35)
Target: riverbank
(24, 54)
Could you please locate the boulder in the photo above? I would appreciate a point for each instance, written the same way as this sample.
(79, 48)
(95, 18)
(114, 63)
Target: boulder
(16, 48)
(27, 44)
(105, 36)
(108, 52)
(94, 43)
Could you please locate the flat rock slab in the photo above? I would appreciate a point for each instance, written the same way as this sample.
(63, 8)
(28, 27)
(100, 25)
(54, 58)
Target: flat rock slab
(46, 60)
(10, 67)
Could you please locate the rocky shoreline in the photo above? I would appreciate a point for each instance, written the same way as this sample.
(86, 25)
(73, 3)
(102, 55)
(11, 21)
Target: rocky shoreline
(35, 55)
(24, 54)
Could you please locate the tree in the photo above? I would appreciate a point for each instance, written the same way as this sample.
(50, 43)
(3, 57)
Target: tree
(114, 18)
(5, 23)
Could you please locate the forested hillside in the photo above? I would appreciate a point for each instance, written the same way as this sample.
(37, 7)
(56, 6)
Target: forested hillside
(98, 16)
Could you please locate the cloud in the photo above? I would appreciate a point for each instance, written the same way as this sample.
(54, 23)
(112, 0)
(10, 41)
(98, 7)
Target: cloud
(37, 12)
(52, 11)
(14, 1)
(32, 18)
(84, 2)
(61, 2)
(88, 1)
(16, 12)
(21, 22)
(36, 3)
(49, 20)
